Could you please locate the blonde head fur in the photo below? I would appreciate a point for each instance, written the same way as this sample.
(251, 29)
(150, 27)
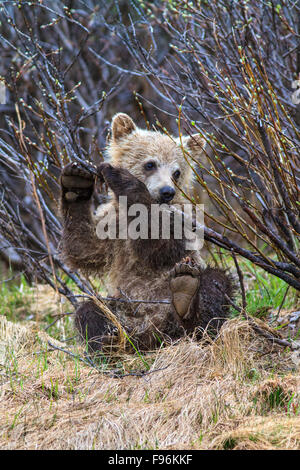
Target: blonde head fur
(155, 158)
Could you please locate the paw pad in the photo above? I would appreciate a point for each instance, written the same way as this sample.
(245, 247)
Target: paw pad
(184, 284)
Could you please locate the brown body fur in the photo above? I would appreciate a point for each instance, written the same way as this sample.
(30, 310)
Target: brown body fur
(138, 268)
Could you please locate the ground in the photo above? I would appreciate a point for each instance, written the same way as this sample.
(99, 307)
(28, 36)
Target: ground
(237, 392)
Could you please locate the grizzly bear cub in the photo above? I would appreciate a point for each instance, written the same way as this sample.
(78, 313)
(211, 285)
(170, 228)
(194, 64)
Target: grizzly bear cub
(177, 294)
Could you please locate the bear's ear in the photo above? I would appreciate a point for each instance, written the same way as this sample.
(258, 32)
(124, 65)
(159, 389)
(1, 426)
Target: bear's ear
(121, 126)
(195, 144)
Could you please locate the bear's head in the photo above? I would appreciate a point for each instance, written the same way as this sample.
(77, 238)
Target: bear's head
(155, 158)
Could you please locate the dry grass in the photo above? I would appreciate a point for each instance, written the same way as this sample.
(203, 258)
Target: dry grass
(236, 392)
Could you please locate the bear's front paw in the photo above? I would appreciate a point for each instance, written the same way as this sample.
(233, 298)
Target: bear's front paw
(184, 285)
(77, 182)
(122, 182)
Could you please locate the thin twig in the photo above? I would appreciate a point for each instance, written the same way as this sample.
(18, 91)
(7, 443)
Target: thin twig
(111, 373)
(241, 280)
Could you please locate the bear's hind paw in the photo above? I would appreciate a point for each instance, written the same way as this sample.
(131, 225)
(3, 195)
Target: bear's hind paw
(184, 286)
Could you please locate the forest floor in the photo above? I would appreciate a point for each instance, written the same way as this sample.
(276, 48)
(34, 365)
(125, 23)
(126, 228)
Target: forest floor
(239, 391)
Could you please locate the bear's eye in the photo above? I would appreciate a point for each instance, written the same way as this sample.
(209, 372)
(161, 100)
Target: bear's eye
(176, 174)
(150, 165)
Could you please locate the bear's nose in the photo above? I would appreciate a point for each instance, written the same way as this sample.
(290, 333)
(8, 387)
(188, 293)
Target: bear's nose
(167, 193)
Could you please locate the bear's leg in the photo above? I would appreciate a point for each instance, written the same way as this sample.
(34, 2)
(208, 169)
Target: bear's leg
(80, 246)
(199, 295)
(94, 328)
